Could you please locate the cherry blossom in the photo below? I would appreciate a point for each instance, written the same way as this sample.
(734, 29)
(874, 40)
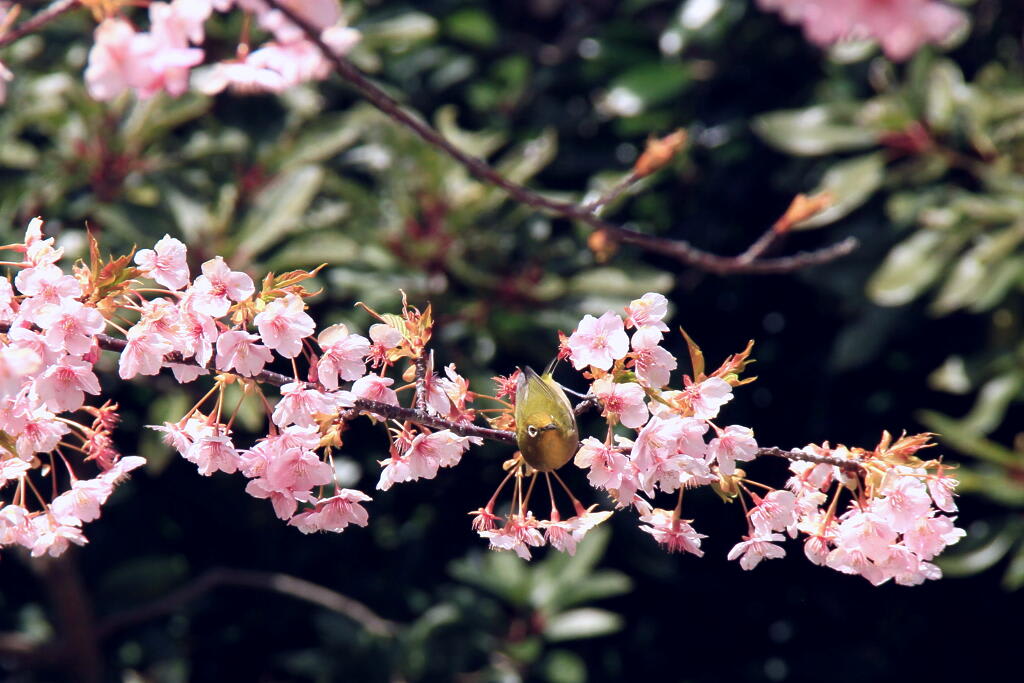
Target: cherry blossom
(901, 26)
(598, 342)
(734, 443)
(652, 364)
(241, 352)
(334, 513)
(707, 397)
(751, 551)
(675, 534)
(623, 401)
(343, 356)
(63, 386)
(218, 286)
(165, 263)
(375, 388)
(284, 324)
(648, 311)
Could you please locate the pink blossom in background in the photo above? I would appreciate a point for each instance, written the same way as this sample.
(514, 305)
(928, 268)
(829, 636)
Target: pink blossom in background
(900, 26)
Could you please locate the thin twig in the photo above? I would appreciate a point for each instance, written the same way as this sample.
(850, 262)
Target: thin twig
(765, 242)
(677, 249)
(38, 20)
(613, 193)
(285, 584)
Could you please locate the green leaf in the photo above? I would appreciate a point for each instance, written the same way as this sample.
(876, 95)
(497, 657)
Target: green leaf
(945, 95)
(645, 86)
(993, 399)
(912, 266)
(481, 144)
(473, 26)
(596, 586)
(563, 666)
(954, 433)
(1013, 579)
(851, 183)
(813, 131)
(278, 210)
(586, 622)
(979, 559)
(973, 273)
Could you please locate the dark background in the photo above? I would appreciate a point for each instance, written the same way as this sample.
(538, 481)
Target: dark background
(830, 365)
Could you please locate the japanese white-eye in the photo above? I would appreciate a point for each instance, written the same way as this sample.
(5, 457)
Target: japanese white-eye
(546, 429)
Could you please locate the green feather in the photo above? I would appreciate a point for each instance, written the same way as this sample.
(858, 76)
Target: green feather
(546, 428)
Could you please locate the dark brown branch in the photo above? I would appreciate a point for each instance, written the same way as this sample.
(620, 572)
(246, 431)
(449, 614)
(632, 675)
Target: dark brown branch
(384, 410)
(391, 412)
(677, 249)
(76, 627)
(284, 584)
(613, 193)
(841, 463)
(38, 20)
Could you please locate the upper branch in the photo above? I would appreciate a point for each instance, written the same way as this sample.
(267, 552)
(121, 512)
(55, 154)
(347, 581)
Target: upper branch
(677, 249)
(40, 19)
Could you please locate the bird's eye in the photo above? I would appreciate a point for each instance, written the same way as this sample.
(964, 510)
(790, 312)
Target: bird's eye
(532, 431)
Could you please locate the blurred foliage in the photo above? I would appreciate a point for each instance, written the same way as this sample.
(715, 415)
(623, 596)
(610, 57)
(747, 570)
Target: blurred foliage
(923, 158)
(944, 152)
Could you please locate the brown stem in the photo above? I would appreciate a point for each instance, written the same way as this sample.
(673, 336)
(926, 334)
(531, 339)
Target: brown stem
(78, 643)
(38, 20)
(677, 249)
(421, 382)
(842, 463)
(285, 584)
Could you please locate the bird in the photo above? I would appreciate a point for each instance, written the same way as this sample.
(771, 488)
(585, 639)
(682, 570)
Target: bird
(546, 430)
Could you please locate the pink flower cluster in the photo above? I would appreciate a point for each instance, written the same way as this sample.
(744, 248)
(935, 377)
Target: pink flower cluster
(46, 371)
(162, 58)
(900, 26)
(891, 529)
(659, 440)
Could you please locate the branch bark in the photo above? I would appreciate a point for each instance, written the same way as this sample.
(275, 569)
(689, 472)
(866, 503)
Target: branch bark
(276, 582)
(38, 20)
(679, 250)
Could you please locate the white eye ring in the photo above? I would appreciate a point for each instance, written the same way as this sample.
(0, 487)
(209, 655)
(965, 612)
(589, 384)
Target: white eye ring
(532, 431)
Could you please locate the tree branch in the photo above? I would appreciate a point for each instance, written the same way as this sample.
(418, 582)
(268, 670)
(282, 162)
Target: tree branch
(284, 584)
(40, 19)
(679, 250)
(422, 417)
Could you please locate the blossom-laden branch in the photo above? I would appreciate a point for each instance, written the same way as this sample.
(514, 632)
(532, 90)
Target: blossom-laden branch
(308, 40)
(657, 440)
